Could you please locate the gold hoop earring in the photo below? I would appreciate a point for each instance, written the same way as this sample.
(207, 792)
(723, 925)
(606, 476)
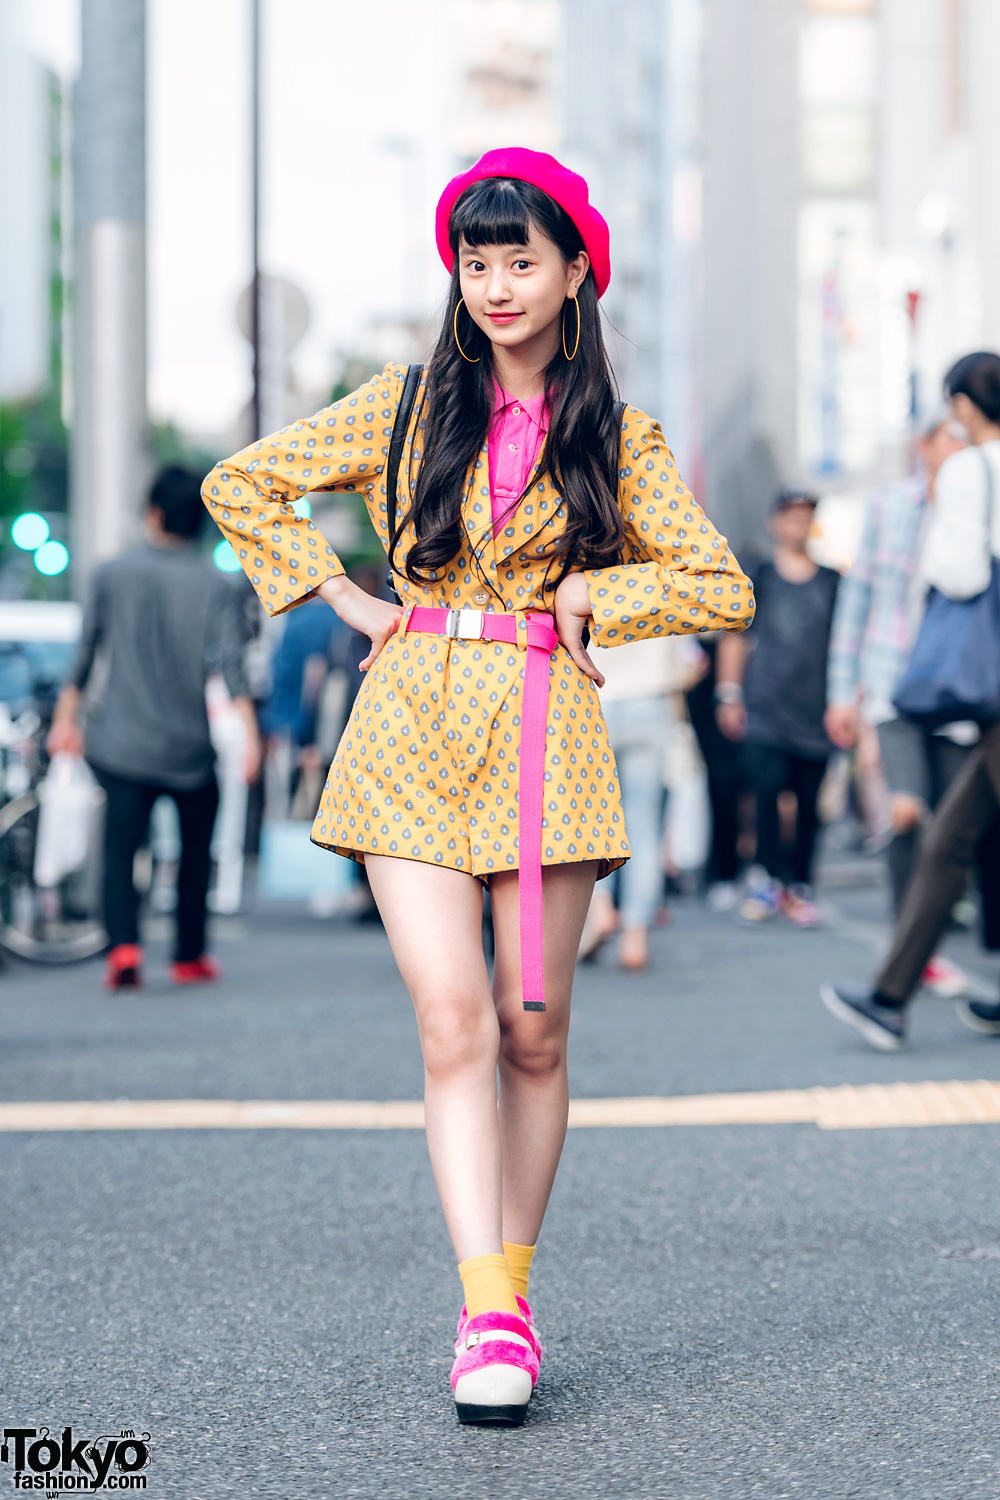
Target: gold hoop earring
(577, 344)
(454, 326)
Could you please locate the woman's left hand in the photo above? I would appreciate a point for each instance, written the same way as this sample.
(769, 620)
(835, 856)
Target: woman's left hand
(572, 606)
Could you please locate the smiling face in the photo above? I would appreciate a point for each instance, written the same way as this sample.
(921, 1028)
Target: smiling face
(516, 293)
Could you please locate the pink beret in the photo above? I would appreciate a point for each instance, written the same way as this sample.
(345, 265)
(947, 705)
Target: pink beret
(568, 189)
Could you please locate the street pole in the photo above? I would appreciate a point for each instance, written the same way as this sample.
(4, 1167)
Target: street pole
(110, 459)
(255, 407)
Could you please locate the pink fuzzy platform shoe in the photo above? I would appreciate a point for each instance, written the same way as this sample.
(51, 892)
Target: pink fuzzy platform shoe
(526, 1314)
(495, 1369)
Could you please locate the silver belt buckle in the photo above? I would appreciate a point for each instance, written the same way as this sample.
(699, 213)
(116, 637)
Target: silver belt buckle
(464, 624)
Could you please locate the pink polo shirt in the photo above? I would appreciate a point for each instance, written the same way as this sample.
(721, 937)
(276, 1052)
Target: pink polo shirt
(514, 442)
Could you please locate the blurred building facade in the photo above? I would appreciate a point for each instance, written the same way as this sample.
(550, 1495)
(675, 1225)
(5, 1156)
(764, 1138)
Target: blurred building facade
(850, 244)
(499, 66)
(506, 60)
(25, 152)
(616, 132)
(35, 257)
(804, 208)
(805, 220)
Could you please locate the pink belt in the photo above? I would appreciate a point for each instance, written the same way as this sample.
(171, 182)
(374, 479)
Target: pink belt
(536, 634)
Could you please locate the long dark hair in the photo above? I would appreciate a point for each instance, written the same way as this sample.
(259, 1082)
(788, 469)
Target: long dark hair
(580, 456)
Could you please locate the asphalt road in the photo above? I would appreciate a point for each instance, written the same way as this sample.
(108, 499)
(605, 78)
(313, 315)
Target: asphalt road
(726, 1311)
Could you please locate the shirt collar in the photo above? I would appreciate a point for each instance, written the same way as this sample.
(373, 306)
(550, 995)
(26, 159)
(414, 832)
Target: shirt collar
(536, 408)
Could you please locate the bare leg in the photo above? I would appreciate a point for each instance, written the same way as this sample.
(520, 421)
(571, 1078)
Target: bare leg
(534, 1093)
(433, 918)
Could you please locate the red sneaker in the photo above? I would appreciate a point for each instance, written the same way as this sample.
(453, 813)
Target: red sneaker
(799, 908)
(203, 970)
(123, 967)
(949, 982)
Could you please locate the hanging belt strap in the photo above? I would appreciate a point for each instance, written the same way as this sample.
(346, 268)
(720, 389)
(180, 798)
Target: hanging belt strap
(537, 636)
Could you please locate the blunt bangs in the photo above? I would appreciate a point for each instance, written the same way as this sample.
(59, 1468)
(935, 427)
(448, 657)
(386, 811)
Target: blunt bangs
(501, 211)
(491, 212)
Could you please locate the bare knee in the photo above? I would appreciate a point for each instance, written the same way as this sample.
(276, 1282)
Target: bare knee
(456, 1037)
(531, 1047)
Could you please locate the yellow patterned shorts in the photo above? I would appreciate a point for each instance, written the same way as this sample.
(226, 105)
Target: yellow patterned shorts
(427, 767)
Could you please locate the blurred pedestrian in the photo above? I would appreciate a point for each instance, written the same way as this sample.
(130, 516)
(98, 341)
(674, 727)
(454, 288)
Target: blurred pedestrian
(160, 620)
(290, 717)
(728, 785)
(476, 750)
(878, 610)
(639, 683)
(771, 693)
(960, 559)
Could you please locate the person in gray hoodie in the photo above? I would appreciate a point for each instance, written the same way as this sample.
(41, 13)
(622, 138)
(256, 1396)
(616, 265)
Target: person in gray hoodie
(160, 619)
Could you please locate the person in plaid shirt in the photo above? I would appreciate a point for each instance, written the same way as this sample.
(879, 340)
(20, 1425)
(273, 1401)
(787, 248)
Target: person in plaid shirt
(878, 610)
(958, 556)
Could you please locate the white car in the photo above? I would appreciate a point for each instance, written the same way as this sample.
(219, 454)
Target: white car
(37, 643)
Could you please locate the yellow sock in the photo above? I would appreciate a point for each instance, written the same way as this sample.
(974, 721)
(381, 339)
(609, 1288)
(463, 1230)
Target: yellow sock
(518, 1259)
(486, 1280)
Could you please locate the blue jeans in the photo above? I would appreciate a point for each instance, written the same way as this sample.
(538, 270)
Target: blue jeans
(638, 729)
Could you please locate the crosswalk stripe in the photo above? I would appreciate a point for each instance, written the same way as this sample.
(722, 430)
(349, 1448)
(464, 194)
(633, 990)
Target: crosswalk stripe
(872, 1106)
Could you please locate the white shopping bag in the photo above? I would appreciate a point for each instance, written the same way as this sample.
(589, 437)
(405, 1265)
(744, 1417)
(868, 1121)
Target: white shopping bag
(69, 800)
(229, 739)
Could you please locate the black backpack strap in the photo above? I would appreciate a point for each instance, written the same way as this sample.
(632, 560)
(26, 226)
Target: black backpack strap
(400, 426)
(617, 440)
(615, 462)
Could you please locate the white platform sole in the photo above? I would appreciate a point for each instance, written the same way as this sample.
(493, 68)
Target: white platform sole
(497, 1394)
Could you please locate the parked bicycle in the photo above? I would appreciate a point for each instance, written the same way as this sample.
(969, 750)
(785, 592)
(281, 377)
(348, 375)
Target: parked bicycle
(53, 923)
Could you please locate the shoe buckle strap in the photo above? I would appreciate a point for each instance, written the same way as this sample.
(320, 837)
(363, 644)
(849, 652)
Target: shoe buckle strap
(494, 1336)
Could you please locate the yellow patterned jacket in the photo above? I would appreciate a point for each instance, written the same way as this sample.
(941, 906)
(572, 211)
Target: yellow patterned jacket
(676, 576)
(677, 573)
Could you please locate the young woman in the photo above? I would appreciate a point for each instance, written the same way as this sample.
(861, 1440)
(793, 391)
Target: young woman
(529, 511)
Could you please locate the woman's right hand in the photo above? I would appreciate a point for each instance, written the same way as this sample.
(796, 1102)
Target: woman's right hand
(573, 611)
(375, 618)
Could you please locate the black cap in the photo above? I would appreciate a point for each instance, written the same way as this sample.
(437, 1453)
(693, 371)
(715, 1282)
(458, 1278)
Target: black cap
(793, 495)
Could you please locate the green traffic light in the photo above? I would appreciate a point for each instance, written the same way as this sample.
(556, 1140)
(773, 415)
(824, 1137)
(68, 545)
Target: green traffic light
(52, 558)
(225, 558)
(29, 531)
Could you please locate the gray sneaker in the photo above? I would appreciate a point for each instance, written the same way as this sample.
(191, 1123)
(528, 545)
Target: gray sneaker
(980, 1015)
(882, 1026)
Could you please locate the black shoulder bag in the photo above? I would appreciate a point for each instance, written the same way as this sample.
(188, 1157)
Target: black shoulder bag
(399, 429)
(954, 670)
